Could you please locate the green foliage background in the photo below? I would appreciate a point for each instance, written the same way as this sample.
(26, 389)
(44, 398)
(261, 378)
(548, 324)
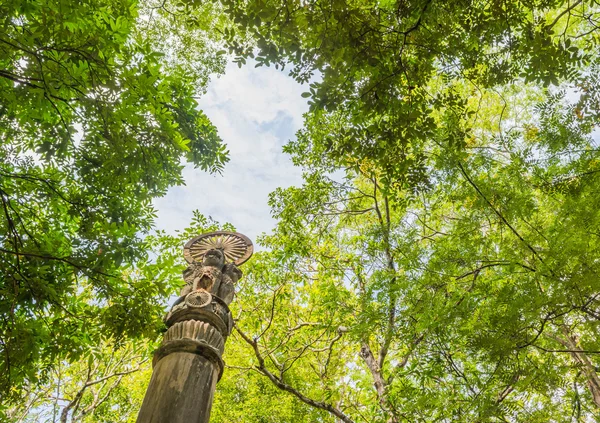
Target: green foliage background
(449, 274)
(95, 121)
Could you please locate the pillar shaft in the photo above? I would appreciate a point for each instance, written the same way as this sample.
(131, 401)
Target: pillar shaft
(188, 364)
(181, 390)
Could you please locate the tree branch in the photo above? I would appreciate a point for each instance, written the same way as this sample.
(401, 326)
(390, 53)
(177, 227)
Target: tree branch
(285, 387)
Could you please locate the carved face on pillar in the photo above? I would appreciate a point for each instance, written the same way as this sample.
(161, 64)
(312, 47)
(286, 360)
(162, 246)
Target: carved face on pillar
(214, 258)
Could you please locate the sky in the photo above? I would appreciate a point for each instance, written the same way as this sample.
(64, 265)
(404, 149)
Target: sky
(256, 111)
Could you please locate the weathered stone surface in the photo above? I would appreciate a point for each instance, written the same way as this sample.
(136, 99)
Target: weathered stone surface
(236, 247)
(215, 313)
(181, 390)
(194, 329)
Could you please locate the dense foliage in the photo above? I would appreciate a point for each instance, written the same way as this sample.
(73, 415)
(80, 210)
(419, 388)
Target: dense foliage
(452, 274)
(95, 120)
(440, 262)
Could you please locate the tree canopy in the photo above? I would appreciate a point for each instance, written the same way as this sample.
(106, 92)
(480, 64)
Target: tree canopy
(452, 272)
(440, 262)
(96, 117)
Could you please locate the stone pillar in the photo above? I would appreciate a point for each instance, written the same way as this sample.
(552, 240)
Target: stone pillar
(188, 363)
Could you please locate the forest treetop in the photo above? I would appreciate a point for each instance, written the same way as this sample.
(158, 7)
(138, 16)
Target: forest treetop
(388, 67)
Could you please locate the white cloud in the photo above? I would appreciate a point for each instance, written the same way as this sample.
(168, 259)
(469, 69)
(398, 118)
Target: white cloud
(256, 111)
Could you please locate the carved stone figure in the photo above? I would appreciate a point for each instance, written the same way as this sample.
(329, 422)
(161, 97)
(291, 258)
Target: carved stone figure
(212, 275)
(209, 277)
(205, 276)
(231, 275)
(188, 277)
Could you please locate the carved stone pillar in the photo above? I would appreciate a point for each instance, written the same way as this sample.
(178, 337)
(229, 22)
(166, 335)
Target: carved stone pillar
(188, 364)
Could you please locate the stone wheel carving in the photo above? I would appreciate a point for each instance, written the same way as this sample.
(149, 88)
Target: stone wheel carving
(236, 247)
(198, 299)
